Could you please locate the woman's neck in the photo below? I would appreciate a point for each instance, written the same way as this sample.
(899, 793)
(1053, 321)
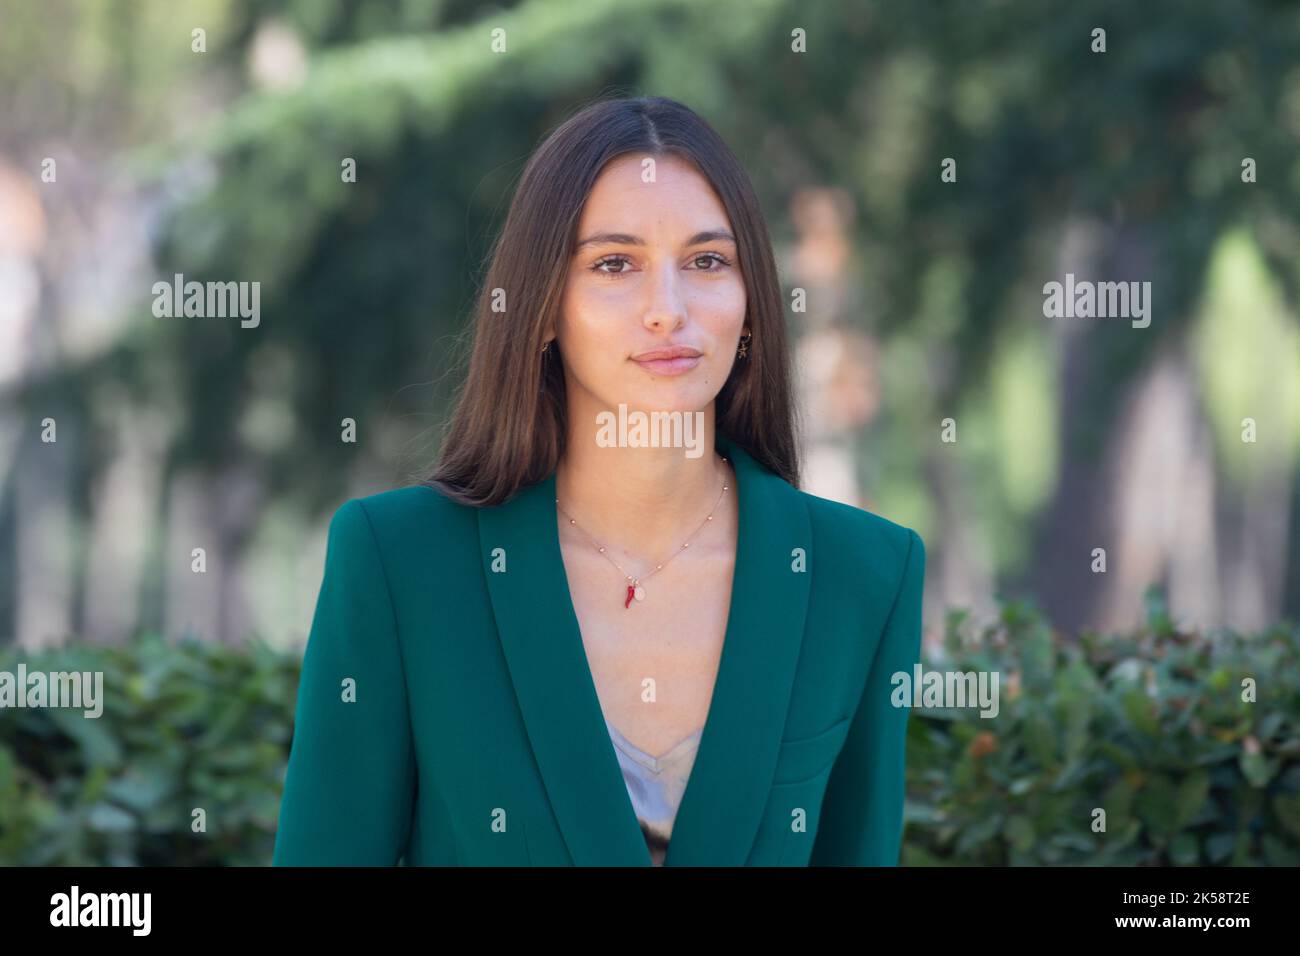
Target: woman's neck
(639, 503)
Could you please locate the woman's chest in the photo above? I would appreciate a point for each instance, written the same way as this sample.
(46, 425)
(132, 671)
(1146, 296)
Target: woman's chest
(654, 663)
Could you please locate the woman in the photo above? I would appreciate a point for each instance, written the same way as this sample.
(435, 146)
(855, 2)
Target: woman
(586, 642)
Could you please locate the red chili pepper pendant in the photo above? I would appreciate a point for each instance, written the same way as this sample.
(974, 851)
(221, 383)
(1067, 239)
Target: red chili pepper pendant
(631, 591)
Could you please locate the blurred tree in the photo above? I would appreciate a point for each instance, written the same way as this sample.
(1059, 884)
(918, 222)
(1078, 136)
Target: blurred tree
(1119, 165)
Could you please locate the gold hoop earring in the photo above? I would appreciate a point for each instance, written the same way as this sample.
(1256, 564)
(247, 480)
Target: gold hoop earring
(546, 346)
(743, 351)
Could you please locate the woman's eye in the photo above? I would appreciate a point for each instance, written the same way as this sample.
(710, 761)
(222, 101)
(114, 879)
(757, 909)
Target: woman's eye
(609, 260)
(721, 260)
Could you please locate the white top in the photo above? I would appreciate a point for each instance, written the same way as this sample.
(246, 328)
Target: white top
(656, 785)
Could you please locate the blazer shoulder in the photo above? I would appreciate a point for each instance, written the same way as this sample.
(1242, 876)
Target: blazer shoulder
(861, 538)
(403, 514)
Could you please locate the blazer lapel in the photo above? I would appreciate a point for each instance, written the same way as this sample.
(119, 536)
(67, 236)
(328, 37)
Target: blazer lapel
(548, 666)
(727, 790)
(728, 787)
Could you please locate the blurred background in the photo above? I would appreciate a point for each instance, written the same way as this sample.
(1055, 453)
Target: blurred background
(212, 138)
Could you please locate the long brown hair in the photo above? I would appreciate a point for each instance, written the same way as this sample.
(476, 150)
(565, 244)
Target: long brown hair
(507, 430)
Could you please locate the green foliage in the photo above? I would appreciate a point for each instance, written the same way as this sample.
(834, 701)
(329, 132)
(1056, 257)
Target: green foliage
(185, 725)
(1150, 727)
(367, 286)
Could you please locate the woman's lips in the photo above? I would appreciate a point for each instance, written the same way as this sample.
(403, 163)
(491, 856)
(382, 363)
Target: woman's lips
(670, 366)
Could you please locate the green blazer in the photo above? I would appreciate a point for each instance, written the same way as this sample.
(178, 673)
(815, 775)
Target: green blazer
(446, 714)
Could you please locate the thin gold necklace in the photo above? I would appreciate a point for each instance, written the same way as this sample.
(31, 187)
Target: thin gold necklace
(635, 589)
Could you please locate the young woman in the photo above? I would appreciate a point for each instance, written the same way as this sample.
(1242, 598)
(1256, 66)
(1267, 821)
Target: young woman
(585, 641)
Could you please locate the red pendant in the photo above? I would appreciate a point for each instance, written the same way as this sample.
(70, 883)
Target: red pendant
(631, 590)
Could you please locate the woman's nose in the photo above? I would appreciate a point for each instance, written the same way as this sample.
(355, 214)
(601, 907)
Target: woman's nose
(666, 305)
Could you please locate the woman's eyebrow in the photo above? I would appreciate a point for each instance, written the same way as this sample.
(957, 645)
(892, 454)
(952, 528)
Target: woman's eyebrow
(626, 239)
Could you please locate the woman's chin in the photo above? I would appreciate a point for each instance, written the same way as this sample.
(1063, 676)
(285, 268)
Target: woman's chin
(664, 400)
(683, 394)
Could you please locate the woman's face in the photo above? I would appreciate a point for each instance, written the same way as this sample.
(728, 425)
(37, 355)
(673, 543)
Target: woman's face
(655, 267)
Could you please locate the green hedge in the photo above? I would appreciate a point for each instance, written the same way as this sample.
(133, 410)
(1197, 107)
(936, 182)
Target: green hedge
(1150, 727)
(185, 725)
